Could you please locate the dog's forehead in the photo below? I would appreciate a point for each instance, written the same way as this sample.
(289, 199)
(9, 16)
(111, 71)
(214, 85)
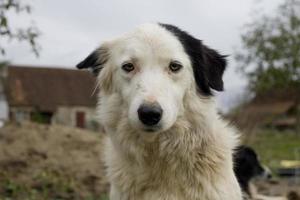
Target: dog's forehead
(150, 38)
(157, 36)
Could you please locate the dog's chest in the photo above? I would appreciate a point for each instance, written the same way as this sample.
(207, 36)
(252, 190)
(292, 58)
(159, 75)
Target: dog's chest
(164, 180)
(171, 175)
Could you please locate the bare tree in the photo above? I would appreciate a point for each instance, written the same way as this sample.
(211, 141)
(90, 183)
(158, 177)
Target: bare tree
(28, 34)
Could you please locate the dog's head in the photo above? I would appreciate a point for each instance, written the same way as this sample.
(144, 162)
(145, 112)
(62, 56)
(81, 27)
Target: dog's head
(248, 166)
(152, 69)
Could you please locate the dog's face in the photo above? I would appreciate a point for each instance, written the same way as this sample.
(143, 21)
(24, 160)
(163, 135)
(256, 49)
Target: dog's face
(152, 69)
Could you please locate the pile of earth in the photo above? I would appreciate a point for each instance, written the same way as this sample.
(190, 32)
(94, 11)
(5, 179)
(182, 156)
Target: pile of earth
(50, 162)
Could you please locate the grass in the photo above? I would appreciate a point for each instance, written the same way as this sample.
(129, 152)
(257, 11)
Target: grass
(46, 186)
(273, 146)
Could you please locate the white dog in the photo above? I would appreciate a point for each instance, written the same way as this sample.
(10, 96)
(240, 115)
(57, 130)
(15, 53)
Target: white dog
(165, 138)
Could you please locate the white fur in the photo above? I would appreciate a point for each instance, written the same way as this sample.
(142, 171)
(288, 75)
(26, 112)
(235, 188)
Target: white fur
(190, 156)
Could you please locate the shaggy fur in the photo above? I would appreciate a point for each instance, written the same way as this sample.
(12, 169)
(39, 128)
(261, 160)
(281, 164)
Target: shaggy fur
(188, 155)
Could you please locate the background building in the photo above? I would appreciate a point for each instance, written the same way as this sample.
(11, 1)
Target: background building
(51, 95)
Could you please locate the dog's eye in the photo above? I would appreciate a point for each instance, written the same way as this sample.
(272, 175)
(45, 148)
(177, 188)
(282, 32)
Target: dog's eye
(128, 67)
(175, 66)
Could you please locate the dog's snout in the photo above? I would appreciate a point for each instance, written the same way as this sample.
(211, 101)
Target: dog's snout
(267, 173)
(150, 114)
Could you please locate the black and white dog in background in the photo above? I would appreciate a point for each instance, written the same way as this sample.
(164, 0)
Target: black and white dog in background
(247, 167)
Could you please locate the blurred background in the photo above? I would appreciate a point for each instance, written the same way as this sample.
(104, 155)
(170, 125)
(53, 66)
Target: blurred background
(50, 141)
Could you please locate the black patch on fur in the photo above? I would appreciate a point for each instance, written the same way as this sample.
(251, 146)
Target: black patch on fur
(208, 65)
(94, 62)
(246, 167)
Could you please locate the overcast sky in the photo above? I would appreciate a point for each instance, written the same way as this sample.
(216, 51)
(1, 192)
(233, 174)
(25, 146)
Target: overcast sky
(73, 28)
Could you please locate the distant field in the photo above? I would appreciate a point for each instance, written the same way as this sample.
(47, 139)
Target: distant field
(274, 146)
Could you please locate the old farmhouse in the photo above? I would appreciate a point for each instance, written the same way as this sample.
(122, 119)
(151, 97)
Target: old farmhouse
(51, 95)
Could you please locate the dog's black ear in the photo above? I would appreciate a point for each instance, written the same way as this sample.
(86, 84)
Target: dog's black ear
(214, 67)
(208, 65)
(95, 61)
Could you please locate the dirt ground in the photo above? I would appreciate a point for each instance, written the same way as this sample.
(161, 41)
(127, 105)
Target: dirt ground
(58, 162)
(278, 187)
(40, 162)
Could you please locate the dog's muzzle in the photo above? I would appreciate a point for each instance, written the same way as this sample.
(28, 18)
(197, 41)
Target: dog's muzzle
(150, 113)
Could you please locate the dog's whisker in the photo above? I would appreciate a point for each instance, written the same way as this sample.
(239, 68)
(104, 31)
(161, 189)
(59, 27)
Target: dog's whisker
(97, 85)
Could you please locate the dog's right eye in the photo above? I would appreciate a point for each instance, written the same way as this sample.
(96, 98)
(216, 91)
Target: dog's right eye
(175, 66)
(128, 67)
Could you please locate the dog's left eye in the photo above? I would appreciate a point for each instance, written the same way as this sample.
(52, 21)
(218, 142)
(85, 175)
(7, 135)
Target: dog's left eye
(175, 66)
(128, 67)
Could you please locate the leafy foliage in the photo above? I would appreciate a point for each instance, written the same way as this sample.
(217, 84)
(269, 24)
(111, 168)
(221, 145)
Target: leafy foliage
(28, 34)
(271, 49)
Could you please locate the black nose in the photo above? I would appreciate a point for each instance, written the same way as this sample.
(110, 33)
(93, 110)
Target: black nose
(151, 114)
